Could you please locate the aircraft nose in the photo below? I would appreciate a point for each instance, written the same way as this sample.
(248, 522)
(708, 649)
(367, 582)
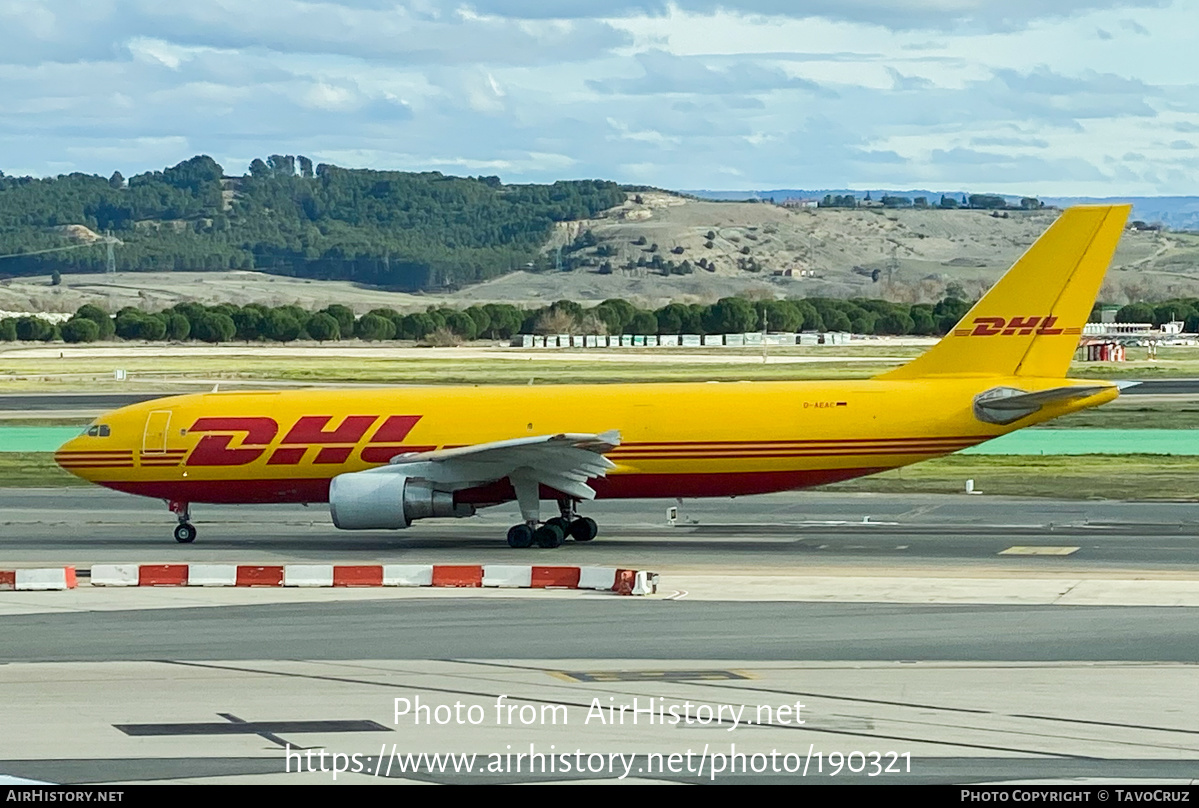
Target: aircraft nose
(71, 456)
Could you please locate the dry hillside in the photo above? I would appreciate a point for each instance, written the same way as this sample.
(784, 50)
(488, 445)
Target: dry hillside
(829, 252)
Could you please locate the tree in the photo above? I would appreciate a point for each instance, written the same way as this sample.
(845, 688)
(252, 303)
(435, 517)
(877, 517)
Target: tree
(643, 322)
(178, 327)
(56, 278)
(248, 321)
(79, 329)
(835, 320)
(505, 321)
(214, 327)
(8, 329)
(731, 315)
(895, 323)
(461, 324)
(280, 326)
(615, 314)
(1135, 313)
(372, 327)
(116, 181)
(152, 327)
(99, 317)
(344, 316)
(34, 329)
(782, 315)
(323, 326)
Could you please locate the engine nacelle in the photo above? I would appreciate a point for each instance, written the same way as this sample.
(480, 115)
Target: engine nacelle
(368, 501)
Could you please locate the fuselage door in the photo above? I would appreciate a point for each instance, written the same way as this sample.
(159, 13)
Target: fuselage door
(155, 438)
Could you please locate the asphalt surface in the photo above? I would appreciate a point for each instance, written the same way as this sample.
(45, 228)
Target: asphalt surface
(610, 629)
(975, 693)
(794, 532)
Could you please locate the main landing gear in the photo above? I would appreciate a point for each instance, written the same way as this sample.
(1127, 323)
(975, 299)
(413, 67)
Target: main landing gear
(555, 531)
(185, 531)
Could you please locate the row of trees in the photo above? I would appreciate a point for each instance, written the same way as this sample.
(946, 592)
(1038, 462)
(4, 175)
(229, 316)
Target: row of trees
(971, 202)
(386, 228)
(1183, 309)
(228, 323)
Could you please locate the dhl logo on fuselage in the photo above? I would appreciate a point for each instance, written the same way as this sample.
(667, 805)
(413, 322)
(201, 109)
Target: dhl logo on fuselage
(1015, 326)
(220, 446)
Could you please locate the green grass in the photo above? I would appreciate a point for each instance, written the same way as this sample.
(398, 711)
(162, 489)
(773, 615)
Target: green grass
(77, 374)
(1132, 412)
(34, 469)
(574, 366)
(1058, 477)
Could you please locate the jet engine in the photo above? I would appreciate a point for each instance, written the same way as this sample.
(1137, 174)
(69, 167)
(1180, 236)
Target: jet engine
(365, 500)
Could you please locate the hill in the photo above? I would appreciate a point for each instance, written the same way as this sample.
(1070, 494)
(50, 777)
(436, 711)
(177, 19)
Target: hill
(387, 228)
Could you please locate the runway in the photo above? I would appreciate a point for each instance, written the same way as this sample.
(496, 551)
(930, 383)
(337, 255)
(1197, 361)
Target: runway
(796, 532)
(218, 685)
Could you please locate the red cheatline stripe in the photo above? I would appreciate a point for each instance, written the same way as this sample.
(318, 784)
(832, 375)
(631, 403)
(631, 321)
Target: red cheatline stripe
(92, 455)
(747, 455)
(714, 450)
(96, 465)
(832, 447)
(689, 444)
(94, 451)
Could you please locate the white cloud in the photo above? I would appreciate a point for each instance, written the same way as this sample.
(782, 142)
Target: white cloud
(692, 93)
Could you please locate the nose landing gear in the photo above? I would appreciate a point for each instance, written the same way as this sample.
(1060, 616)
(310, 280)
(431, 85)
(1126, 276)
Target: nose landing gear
(185, 531)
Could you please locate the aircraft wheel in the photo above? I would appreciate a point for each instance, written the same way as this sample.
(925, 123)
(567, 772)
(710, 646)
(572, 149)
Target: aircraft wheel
(583, 529)
(549, 535)
(520, 536)
(185, 533)
(562, 523)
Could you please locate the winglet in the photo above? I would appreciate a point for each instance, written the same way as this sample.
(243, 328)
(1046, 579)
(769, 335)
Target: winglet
(1029, 323)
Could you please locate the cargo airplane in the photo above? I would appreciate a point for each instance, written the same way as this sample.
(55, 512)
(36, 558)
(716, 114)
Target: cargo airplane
(385, 458)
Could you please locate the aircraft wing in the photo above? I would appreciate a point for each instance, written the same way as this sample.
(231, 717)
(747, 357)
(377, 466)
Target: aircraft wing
(563, 462)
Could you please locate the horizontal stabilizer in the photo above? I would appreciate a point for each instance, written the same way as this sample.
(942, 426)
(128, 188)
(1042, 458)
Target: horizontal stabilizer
(1002, 405)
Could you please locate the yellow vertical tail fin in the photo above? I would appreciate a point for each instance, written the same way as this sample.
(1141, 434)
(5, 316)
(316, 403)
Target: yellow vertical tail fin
(1029, 323)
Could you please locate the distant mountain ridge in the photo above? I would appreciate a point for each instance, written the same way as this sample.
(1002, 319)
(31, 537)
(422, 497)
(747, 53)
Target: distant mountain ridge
(1175, 212)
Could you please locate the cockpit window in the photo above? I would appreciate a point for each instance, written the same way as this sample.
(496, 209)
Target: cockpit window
(98, 430)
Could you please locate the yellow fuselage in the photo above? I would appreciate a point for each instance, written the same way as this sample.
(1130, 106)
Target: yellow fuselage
(677, 440)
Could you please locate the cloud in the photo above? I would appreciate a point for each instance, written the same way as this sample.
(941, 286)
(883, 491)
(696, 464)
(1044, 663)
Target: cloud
(1017, 142)
(663, 72)
(1134, 26)
(898, 15)
(72, 30)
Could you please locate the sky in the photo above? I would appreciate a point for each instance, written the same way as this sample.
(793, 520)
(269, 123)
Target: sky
(1061, 98)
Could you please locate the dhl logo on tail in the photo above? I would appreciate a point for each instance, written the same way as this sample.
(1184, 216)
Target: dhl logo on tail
(1016, 326)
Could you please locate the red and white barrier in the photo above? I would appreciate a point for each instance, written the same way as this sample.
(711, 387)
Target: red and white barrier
(41, 579)
(607, 579)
